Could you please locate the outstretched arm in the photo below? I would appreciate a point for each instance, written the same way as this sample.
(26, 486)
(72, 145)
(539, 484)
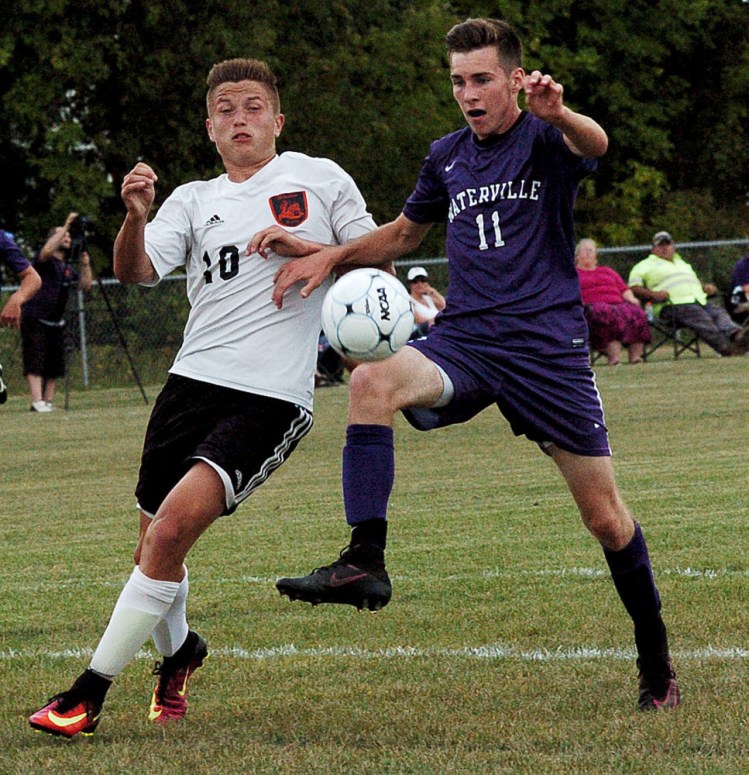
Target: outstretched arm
(543, 96)
(275, 239)
(131, 262)
(378, 248)
(54, 241)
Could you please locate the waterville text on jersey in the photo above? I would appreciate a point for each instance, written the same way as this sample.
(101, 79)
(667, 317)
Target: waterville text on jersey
(484, 194)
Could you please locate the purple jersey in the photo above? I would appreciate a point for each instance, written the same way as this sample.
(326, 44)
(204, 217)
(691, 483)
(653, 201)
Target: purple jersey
(740, 274)
(510, 241)
(10, 254)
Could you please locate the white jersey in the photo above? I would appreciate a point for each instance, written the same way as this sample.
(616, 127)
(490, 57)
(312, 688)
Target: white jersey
(234, 335)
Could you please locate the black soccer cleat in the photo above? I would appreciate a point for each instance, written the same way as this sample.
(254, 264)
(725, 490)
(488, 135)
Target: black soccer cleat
(658, 687)
(358, 577)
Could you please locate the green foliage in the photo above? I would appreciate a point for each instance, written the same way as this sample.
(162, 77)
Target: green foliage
(89, 88)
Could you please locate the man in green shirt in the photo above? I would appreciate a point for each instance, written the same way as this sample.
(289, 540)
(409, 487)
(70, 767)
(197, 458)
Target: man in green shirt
(669, 282)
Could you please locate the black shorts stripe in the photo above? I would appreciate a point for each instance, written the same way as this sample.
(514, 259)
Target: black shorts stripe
(243, 436)
(299, 428)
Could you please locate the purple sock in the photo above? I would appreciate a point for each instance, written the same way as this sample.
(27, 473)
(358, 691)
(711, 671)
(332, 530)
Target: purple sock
(633, 579)
(368, 472)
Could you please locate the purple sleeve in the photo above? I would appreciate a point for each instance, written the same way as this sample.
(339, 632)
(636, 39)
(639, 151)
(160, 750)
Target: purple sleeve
(11, 254)
(429, 201)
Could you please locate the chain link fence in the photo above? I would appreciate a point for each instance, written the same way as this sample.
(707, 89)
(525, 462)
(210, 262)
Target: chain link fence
(121, 336)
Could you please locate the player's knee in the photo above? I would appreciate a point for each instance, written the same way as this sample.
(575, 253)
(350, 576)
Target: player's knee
(613, 527)
(165, 536)
(369, 386)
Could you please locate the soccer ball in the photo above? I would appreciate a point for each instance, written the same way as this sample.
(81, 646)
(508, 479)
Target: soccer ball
(367, 315)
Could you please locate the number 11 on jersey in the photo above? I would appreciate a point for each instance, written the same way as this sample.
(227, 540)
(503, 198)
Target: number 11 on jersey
(498, 241)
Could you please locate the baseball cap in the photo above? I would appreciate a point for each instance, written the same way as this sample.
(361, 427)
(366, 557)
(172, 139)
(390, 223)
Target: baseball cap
(661, 238)
(417, 271)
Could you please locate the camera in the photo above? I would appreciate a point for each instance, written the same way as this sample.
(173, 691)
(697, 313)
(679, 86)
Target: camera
(79, 226)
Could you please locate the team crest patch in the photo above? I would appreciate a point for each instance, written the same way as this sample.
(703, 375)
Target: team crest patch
(289, 209)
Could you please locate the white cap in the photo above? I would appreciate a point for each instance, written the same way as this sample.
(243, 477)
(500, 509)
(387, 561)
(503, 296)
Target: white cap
(417, 271)
(662, 238)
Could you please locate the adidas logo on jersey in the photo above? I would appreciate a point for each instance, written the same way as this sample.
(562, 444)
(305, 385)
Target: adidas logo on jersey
(214, 220)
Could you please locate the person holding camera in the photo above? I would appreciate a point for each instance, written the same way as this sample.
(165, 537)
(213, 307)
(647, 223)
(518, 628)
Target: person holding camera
(43, 318)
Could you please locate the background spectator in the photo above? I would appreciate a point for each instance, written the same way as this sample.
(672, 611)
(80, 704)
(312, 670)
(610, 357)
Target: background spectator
(43, 320)
(678, 296)
(427, 301)
(10, 316)
(738, 305)
(615, 318)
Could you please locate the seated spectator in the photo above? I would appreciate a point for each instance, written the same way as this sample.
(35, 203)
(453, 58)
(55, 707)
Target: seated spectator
(738, 304)
(615, 318)
(678, 296)
(427, 301)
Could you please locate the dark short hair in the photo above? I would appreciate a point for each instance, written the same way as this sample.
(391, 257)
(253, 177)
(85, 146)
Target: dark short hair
(244, 69)
(473, 34)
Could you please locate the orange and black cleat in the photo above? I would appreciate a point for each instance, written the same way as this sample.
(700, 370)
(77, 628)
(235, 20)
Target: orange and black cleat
(169, 699)
(67, 714)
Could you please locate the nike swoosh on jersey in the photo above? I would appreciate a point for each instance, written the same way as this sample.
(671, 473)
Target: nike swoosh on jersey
(59, 721)
(450, 166)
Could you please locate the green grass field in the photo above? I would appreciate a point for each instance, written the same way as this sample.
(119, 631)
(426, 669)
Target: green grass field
(504, 649)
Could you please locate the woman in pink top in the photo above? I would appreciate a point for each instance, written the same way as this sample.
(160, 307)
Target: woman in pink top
(614, 315)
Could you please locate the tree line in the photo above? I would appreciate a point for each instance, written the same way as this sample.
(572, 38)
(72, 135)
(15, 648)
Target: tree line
(88, 88)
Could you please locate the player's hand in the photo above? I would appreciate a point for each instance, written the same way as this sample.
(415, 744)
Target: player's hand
(138, 190)
(659, 296)
(10, 317)
(71, 217)
(312, 270)
(281, 242)
(543, 96)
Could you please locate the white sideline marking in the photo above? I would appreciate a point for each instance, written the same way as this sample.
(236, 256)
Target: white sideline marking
(493, 651)
(688, 572)
(708, 573)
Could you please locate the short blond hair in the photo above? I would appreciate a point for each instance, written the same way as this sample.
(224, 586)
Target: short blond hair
(243, 69)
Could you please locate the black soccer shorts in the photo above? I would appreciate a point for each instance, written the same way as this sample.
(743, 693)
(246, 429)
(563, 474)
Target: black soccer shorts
(243, 436)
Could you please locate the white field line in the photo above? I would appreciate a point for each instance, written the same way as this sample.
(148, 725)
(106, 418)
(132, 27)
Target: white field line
(493, 652)
(688, 572)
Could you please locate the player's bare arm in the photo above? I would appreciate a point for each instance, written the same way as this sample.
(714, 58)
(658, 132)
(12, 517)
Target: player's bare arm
(379, 247)
(10, 316)
(278, 240)
(131, 262)
(544, 98)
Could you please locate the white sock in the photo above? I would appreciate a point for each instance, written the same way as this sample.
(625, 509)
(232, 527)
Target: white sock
(171, 632)
(141, 605)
